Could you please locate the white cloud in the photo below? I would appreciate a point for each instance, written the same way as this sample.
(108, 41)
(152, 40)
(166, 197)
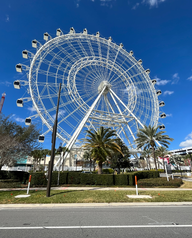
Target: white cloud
(168, 115)
(175, 78)
(31, 109)
(188, 136)
(60, 113)
(77, 3)
(7, 18)
(190, 78)
(16, 118)
(6, 83)
(131, 89)
(161, 82)
(136, 6)
(19, 119)
(168, 92)
(153, 3)
(106, 3)
(187, 142)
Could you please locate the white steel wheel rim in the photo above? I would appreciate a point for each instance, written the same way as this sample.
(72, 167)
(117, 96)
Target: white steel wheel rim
(81, 63)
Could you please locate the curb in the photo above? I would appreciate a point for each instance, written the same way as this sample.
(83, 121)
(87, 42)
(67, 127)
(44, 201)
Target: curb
(98, 189)
(85, 205)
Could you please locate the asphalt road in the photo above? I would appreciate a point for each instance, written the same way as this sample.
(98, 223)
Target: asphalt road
(113, 222)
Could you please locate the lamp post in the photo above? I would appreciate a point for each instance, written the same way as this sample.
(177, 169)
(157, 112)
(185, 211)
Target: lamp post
(50, 169)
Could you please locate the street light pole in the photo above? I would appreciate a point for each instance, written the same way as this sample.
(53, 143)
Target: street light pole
(53, 147)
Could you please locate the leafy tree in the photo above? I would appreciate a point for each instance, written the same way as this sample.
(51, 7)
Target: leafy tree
(162, 152)
(142, 163)
(120, 160)
(176, 160)
(38, 155)
(101, 143)
(87, 156)
(148, 136)
(16, 142)
(146, 154)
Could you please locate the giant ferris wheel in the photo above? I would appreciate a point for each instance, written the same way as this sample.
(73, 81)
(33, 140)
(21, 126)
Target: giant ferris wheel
(102, 85)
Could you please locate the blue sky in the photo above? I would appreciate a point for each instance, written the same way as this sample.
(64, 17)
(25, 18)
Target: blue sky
(158, 31)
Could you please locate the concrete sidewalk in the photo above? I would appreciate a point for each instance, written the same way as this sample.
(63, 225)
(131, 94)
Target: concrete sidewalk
(98, 188)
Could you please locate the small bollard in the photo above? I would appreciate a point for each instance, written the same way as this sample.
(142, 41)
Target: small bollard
(29, 184)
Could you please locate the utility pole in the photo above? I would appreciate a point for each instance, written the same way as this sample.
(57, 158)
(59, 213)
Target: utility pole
(50, 169)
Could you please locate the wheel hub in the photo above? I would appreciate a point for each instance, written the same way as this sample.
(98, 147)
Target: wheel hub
(105, 84)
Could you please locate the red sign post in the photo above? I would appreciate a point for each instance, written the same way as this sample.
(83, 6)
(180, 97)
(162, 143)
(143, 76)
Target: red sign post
(136, 185)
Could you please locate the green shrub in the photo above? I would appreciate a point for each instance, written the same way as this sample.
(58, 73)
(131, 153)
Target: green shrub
(160, 182)
(63, 178)
(74, 177)
(38, 179)
(108, 171)
(95, 172)
(15, 176)
(121, 179)
(86, 179)
(131, 180)
(4, 174)
(142, 175)
(54, 178)
(103, 179)
(161, 170)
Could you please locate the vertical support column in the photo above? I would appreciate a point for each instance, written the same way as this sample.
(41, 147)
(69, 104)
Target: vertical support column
(53, 147)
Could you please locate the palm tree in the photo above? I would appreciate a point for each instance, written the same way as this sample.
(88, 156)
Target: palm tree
(119, 160)
(37, 156)
(101, 144)
(162, 152)
(45, 153)
(146, 154)
(148, 137)
(87, 156)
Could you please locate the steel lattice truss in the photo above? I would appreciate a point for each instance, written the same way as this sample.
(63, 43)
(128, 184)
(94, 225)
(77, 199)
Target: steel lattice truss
(98, 78)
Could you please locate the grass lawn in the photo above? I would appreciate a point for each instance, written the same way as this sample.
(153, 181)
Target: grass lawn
(186, 184)
(92, 196)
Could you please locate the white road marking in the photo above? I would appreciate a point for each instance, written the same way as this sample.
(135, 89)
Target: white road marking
(94, 227)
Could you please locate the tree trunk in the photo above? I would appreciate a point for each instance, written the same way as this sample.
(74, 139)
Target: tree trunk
(154, 157)
(44, 163)
(164, 165)
(100, 167)
(63, 162)
(149, 163)
(90, 164)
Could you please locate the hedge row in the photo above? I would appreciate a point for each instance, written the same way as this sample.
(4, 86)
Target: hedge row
(15, 175)
(39, 179)
(160, 182)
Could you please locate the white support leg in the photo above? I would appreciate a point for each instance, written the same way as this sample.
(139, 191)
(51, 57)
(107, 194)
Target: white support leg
(80, 127)
(130, 112)
(123, 117)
